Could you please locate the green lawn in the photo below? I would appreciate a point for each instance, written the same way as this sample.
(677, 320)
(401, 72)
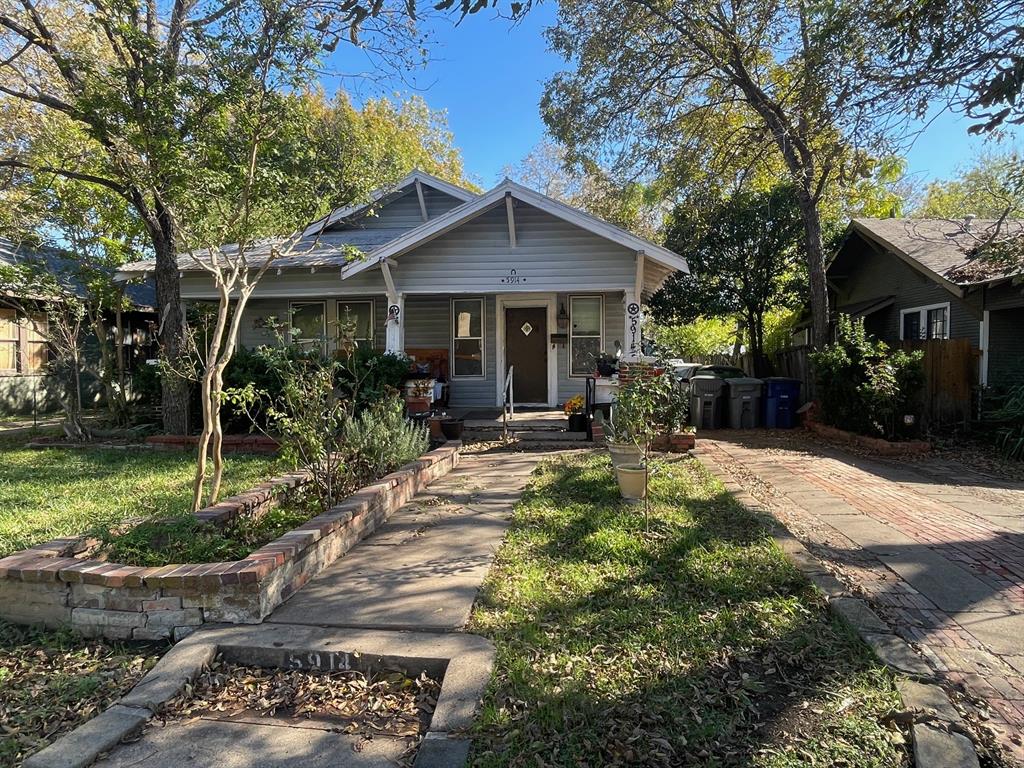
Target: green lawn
(52, 681)
(45, 494)
(695, 643)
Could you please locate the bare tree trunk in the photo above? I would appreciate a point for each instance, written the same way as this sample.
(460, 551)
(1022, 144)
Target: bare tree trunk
(815, 254)
(218, 434)
(204, 443)
(171, 332)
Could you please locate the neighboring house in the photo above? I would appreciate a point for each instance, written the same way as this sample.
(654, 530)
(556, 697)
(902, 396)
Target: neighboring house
(25, 385)
(912, 279)
(470, 283)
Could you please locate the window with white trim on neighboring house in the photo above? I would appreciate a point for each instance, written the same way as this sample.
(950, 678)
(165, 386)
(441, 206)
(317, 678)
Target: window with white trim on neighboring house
(586, 335)
(468, 338)
(360, 315)
(928, 322)
(308, 323)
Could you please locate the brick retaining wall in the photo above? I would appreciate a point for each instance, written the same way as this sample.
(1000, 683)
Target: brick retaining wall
(48, 585)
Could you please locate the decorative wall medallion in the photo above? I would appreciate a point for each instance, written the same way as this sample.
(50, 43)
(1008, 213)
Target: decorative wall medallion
(527, 329)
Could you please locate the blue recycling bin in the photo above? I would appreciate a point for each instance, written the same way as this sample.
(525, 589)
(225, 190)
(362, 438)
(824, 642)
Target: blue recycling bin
(781, 400)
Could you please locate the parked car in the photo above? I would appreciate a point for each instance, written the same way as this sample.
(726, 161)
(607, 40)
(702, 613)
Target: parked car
(722, 371)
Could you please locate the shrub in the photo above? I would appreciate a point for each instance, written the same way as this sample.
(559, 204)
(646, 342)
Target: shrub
(380, 440)
(863, 385)
(646, 406)
(367, 375)
(1010, 437)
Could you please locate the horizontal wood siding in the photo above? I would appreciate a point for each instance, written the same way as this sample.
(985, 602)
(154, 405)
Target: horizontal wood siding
(1005, 296)
(550, 255)
(295, 284)
(428, 324)
(875, 275)
(1006, 347)
(614, 330)
(404, 211)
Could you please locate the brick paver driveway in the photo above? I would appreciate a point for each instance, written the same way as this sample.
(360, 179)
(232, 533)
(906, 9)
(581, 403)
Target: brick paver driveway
(937, 549)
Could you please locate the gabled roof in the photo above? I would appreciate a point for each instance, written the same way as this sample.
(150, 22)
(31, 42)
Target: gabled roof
(389, 190)
(317, 248)
(61, 263)
(446, 222)
(941, 249)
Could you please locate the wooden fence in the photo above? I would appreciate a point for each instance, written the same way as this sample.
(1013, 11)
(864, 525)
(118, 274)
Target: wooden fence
(950, 374)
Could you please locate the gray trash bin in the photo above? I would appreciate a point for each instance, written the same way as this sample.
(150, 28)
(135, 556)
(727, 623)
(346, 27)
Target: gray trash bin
(744, 403)
(706, 401)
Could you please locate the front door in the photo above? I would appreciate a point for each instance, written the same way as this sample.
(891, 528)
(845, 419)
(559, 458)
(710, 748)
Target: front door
(526, 348)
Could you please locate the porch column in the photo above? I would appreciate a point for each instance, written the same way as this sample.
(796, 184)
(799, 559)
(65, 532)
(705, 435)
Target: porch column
(632, 345)
(395, 325)
(983, 342)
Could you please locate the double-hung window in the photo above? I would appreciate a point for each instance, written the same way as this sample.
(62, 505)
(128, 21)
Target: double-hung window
(929, 322)
(586, 321)
(467, 338)
(358, 316)
(308, 323)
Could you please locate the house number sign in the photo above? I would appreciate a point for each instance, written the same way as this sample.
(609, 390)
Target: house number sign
(327, 661)
(633, 326)
(512, 278)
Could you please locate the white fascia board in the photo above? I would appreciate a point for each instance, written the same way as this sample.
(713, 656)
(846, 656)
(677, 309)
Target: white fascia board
(470, 210)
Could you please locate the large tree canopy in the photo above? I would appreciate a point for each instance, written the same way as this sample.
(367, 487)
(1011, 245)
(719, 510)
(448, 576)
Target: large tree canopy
(654, 78)
(745, 259)
(970, 52)
(179, 105)
(992, 187)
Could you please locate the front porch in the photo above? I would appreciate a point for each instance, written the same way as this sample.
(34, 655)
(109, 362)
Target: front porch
(524, 424)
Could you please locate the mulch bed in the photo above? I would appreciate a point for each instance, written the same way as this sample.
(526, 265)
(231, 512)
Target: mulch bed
(370, 705)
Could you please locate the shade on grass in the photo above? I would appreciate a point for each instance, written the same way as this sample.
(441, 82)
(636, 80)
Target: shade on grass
(46, 494)
(693, 643)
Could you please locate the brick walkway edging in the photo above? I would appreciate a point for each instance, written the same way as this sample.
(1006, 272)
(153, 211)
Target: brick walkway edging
(44, 585)
(938, 731)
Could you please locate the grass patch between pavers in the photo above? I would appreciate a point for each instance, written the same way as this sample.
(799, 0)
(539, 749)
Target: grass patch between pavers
(52, 681)
(693, 643)
(58, 492)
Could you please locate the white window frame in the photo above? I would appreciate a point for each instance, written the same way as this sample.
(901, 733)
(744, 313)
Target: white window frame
(303, 303)
(600, 337)
(483, 338)
(922, 313)
(372, 340)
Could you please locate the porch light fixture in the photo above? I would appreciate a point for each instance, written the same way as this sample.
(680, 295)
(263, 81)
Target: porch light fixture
(563, 318)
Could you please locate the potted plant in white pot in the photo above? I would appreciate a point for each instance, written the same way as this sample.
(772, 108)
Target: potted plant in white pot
(636, 419)
(620, 443)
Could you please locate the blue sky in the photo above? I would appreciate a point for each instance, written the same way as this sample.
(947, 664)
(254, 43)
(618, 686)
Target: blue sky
(489, 76)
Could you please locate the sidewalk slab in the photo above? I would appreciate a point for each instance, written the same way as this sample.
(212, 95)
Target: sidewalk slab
(423, 569)
(208, 743)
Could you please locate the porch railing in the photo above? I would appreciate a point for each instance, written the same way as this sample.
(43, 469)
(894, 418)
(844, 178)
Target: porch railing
(508, 406)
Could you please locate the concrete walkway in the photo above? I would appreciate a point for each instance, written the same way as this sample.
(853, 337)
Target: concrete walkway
(937, 549)
(420, 571)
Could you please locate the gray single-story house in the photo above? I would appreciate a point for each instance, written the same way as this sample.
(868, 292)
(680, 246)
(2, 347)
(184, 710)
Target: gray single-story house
(472, 284)
(914, 279)
(26, 385)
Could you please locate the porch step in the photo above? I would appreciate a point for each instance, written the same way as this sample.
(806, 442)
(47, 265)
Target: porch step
(547, 436)
(524, 435)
